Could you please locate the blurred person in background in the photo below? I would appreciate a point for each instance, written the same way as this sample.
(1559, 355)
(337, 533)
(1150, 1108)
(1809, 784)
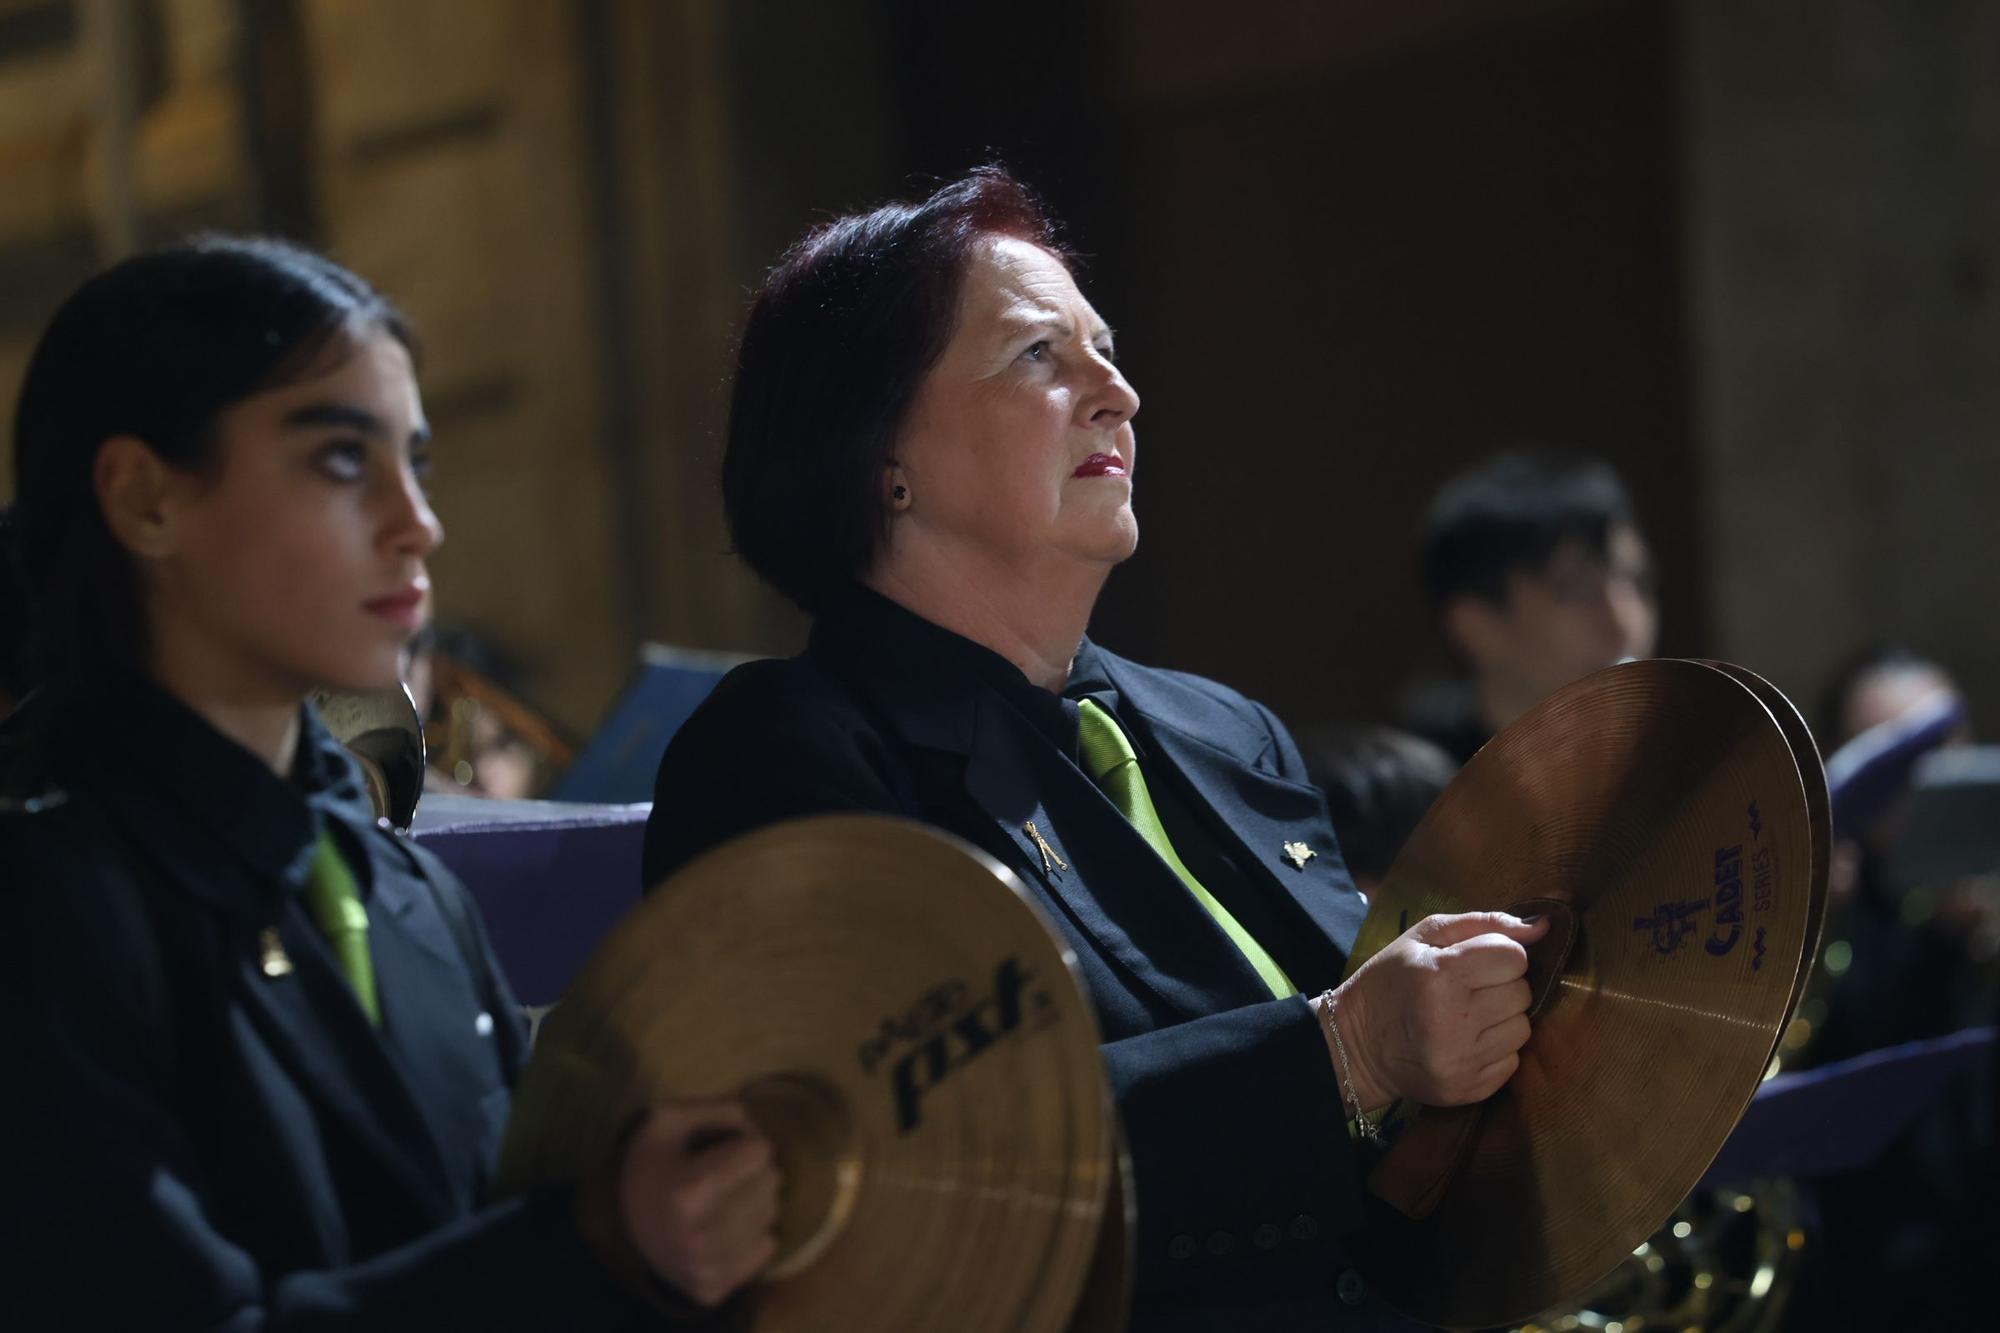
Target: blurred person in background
(481, 737)
(1878, 683)
(1900, 962)
(1871, 698)
(1379, 783)
(1901, 968)
(1537, 575)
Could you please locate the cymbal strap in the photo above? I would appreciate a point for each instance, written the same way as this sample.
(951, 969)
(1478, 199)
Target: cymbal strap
(1417, 1171)
(1549, 955)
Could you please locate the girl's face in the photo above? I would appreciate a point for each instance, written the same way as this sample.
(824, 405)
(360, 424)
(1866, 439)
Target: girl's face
(298, 562)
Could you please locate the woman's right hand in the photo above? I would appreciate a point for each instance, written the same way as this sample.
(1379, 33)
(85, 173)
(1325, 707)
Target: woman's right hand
(1440, 1015)
(697, 1191)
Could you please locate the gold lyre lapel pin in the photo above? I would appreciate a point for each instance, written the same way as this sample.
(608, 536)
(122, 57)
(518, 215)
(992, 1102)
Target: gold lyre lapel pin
(273, 961)
(1052, 863)
(1298, 854)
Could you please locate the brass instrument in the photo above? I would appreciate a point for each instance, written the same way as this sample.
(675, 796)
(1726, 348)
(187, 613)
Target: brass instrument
(383, 732)
(1726, 1262)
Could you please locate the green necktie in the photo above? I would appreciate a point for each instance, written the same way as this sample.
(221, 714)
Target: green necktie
(335, 902)
(1108, 755)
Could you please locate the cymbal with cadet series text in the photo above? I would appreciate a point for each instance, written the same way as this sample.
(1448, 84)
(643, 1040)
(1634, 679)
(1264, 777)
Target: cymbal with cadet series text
(1669, 817)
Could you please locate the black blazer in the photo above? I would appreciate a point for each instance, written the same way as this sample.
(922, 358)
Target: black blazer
(1248, 1188)
(194, 1144)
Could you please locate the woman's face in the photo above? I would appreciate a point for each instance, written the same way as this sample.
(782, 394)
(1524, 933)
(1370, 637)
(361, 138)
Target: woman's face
(1018, 446)
(299, 562)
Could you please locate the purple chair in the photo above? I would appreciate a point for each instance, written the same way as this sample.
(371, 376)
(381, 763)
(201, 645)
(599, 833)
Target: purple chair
(551, 879)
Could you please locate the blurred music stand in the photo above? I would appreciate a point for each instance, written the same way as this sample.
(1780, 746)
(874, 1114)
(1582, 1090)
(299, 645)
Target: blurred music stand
(1866, 776)
(1843, 1115)
(622, 760)
(550, 879)
(1951, 828)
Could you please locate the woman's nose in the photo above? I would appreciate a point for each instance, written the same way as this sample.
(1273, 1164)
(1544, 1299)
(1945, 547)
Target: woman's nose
(413, 527)
(1113, 401)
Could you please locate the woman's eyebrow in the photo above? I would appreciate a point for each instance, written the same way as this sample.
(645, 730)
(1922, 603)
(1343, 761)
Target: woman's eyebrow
(336, 414)
(348, 417)
(1028, 321)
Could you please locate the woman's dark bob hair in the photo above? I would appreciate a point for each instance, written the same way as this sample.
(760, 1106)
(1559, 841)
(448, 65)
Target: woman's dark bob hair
(840, 336)
(156, 347)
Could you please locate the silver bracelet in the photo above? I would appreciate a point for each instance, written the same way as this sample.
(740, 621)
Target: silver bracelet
(1362, 1124)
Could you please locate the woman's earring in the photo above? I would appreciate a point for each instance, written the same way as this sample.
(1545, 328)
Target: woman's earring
(901, 493)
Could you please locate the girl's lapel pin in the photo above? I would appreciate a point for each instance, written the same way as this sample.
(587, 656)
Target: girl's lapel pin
(1298, 854)
(273, 960)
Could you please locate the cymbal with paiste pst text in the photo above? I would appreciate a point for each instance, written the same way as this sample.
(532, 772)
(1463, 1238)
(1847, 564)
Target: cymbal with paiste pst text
(908, 1031)
(1667, 822)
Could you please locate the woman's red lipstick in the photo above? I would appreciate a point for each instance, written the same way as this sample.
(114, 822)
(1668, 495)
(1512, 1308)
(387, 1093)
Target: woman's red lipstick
(1101, 465)
(404, 608)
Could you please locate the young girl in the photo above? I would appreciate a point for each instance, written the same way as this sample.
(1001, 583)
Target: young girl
(258, 1051)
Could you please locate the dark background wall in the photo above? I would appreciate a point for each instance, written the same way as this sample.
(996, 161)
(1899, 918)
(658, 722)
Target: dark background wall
(1342, 264)
(1349, 280)
(1843, 242)
(1745, 251)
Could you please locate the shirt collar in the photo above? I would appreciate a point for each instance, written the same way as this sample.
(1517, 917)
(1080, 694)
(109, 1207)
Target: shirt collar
(919, 671)
(160, 760)
(1089, 678)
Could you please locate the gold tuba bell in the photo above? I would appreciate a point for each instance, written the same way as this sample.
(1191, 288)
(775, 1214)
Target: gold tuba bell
(383, 732)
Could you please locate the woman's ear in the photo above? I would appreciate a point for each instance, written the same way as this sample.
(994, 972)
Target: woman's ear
(898, 486)
(135, 490)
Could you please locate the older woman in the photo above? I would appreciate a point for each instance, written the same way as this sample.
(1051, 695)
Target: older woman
(931, 451)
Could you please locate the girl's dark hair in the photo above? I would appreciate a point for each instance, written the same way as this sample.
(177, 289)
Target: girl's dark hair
(154, 347)
(838, 339)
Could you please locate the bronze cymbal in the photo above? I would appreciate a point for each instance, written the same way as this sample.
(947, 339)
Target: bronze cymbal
(910, 1034)
(1657, 813)
(1650, 1285)
(1812, 774)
